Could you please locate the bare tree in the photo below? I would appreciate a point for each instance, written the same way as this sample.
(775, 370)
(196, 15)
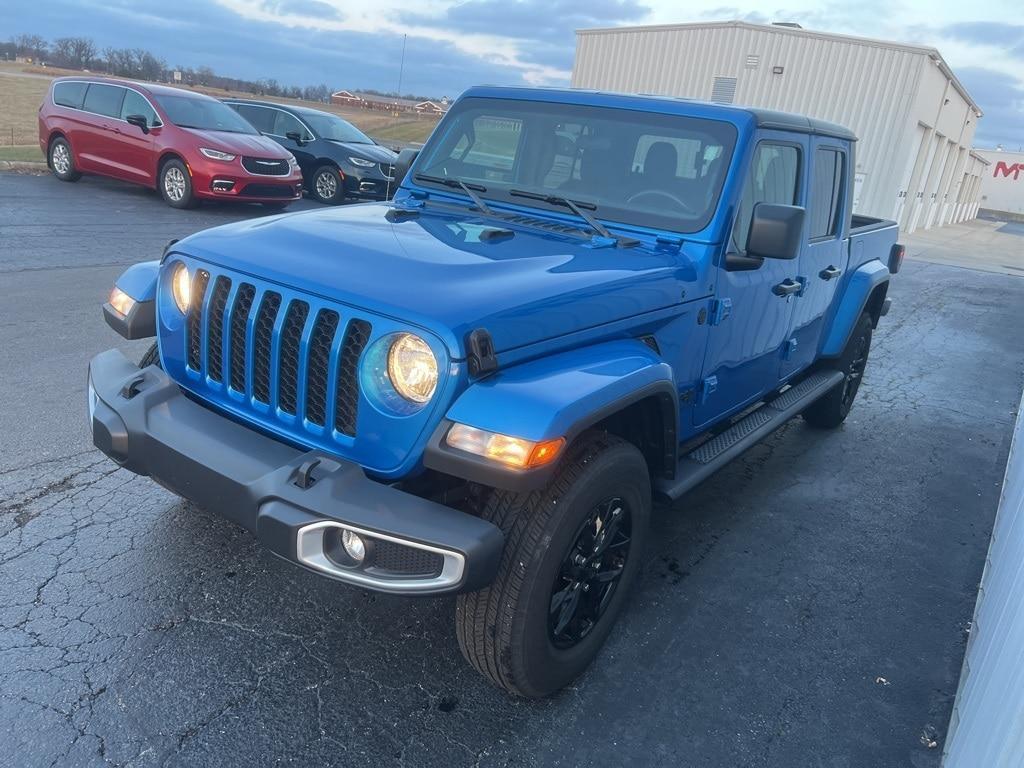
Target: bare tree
(31, 45)
(74, 52)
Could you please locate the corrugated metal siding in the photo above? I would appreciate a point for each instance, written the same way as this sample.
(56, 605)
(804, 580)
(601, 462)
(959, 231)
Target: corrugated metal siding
(870, 88)
(987, 726)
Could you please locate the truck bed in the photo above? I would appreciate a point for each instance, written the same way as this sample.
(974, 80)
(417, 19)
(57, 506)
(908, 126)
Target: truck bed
(871, 238)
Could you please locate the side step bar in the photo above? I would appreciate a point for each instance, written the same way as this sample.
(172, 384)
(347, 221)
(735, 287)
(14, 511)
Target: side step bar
(712, 455)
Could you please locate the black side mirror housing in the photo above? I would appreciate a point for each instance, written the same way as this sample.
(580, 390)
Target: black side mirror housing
(138, 121)
(776, 231)
(296, 137)
(403, 163)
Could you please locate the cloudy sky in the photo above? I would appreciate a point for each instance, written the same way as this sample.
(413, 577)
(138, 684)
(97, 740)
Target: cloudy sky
(456, 43)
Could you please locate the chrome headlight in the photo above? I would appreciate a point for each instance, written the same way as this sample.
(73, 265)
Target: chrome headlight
(361, 163)
(216, 154)
(181, 287)
(412, 368)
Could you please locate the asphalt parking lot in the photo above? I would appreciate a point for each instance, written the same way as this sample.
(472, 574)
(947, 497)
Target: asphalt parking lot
(807, 606)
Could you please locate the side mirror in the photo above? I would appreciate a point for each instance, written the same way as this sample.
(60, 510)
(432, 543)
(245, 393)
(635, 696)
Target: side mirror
(138, 121)
(403, 163)
(776, 231)
(296, 137)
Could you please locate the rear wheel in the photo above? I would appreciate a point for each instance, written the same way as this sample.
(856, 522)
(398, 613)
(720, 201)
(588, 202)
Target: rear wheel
(62, 161)
(572, 551)
(175, 184)
(832, 409)
(327, 185)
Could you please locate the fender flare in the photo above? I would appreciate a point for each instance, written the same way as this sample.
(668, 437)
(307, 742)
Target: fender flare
(552, 397)
(139, 281)
(859, 287)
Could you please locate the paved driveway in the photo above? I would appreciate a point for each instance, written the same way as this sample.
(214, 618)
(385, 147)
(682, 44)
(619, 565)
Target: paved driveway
(807, 606)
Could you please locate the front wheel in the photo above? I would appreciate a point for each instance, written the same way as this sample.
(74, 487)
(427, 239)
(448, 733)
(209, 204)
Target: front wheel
(832, 409)
(62, 161)
(572, 551)
(175, 185)
(327, 185)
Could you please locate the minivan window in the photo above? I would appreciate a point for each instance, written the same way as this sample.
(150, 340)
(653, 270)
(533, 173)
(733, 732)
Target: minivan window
(69, 94)
(261, 118)
(203, 114)
(285, 123)
(774, 177)
(103, 99)
(334, 128)
(826, 189)
(136, 104)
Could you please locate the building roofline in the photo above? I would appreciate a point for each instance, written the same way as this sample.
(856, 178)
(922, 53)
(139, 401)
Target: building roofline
(932, 53)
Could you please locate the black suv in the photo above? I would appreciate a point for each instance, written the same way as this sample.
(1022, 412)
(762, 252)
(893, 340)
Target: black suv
(337, 159)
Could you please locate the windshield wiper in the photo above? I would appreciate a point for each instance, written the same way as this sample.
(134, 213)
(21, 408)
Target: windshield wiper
(576, 207)
(470, 189)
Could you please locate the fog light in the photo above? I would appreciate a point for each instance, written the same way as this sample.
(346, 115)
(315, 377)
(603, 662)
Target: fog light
(223, 185)
(354, 545)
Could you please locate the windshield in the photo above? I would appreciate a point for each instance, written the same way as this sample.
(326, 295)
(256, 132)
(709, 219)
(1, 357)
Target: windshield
(334, 128)
(204, 114)
(643, 168)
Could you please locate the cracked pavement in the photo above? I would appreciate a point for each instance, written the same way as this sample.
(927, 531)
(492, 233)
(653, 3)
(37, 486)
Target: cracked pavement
(138, 630)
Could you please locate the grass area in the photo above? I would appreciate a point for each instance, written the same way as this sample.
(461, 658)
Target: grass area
(29, 153)
(22, 89)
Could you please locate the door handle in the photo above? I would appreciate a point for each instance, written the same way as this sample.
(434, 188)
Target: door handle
(787, 288)
(830, 272)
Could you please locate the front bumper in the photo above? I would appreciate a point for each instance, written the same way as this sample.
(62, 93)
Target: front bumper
(212, 180)
(293, 500)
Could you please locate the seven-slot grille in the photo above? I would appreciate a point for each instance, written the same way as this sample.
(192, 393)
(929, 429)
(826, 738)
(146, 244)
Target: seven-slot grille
(254, 342)
(262, 166)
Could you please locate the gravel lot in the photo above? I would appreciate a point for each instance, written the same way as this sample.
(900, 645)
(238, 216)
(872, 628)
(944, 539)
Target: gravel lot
(808, 605)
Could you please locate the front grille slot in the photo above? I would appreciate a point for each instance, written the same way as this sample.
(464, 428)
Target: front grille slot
(239, 328)
(288, 369)
(346, 404)
(318, 367)
(262, 345)
(194, 328)
(388, 170)
(215, 332)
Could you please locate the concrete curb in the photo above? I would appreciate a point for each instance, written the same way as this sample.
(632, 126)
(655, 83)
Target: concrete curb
(23, 166)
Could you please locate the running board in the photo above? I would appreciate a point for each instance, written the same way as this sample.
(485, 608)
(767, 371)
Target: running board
(712, 455)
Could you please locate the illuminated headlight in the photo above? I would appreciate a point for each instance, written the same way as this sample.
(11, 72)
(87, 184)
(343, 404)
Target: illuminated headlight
(412, 368)
(216, 154)
(504, 449)
(361, 163)
(181, 286)
(121, 301)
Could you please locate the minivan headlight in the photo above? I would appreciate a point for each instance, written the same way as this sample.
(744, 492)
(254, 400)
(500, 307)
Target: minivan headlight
(360, 162)
(181, 287)
(412, 368)
(216, 154)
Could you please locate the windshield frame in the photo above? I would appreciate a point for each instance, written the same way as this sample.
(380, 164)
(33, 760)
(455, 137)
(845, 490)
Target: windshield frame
(725, 132)
(312, 118)
(163, 98)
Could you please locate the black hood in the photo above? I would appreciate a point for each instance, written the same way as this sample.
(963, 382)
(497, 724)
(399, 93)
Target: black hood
(373, 152)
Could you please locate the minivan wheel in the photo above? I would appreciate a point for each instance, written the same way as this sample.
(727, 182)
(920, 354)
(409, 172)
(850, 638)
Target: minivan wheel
(62, 162)
(175, 184)
(328, 186)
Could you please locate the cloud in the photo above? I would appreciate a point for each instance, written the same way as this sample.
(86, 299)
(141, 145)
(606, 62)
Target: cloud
(1001, 98)
(307, 8)
(1005, 35)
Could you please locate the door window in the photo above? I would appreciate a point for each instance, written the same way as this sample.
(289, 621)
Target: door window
(774, 177)
(104, 99)
(261, 118)
(285, 123)
(69, 94)
(826, 193)
(136, 104)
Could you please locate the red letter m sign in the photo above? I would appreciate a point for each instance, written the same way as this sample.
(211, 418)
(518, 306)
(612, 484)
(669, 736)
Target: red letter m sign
(1006, 170)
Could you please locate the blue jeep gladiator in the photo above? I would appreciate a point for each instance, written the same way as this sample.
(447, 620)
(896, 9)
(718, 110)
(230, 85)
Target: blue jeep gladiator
(577, 303)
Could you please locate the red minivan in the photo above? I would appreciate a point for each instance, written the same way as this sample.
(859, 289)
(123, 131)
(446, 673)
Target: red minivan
(186, 145)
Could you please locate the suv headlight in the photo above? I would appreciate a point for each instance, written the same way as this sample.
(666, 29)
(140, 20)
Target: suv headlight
(216, 154)
(412, 368)
(361, 163)
(181, 287)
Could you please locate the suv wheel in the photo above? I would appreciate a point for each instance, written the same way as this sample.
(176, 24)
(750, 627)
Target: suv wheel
(572, 551)
(832, 409)
(328, 186)
(175, 184)
(62, 161)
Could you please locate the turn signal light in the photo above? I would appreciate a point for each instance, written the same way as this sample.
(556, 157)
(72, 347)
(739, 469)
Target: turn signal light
(504, 449)
(121, 301)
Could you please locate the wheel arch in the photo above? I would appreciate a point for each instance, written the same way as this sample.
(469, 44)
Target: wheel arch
(865, 290)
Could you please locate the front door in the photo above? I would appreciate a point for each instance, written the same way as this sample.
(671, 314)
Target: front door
(824, 256)
(750, 318)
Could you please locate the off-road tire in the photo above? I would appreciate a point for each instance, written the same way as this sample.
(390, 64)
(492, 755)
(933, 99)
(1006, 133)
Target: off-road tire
(503, 630)
(832, 409)
(180, 171)
(62, 165)
(152, 357)
(318, 188)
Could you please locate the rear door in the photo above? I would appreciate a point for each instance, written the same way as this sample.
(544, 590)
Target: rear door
(752, 322)
(98, 146)
(823, 257)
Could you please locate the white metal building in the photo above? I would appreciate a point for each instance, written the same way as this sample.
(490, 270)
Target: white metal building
(1002, 183)
(914, 120)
